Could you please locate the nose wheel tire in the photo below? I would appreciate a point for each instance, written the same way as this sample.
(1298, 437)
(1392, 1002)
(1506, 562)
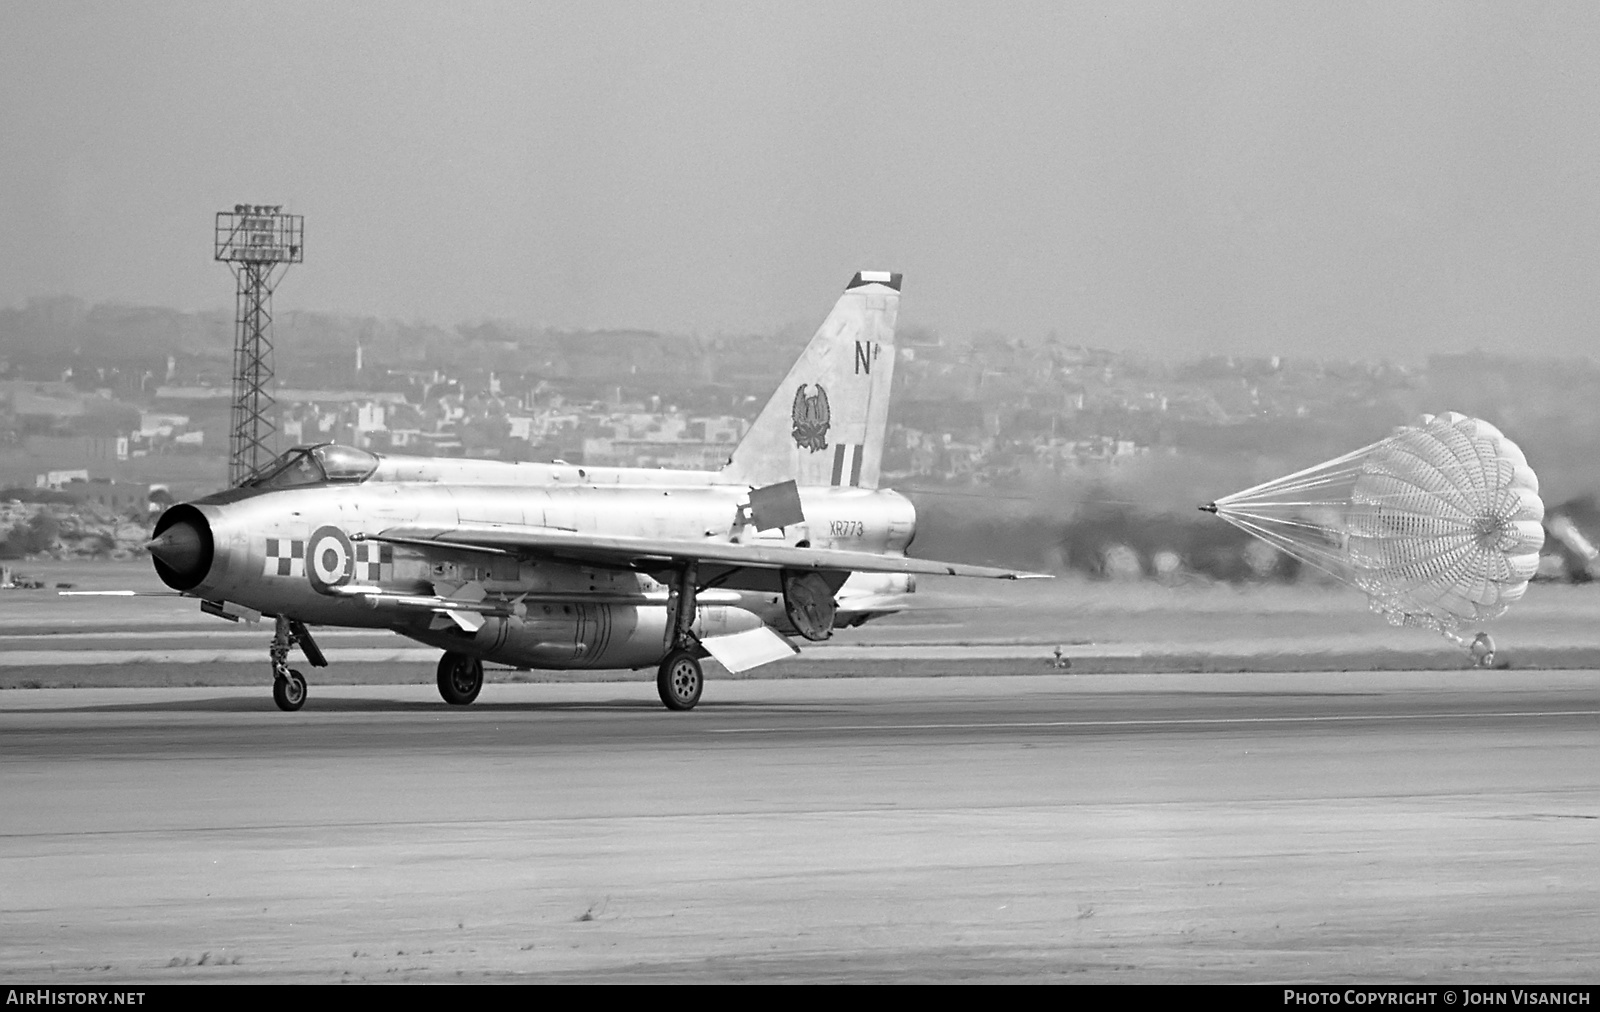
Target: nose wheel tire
(290, 692)
(680, 681)
(460, 678)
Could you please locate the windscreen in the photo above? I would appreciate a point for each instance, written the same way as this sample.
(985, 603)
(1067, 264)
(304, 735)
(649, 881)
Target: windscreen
(296, 467)
(345, 463)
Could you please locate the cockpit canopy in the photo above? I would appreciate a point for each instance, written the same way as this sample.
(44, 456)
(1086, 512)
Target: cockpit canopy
(311, 465)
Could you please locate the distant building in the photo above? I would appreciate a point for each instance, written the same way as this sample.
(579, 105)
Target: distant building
(685, 454)
(153, 423)
(55, 479)
(370, 417)
(78, 449)
(113, 495)
(42, 400)
(523, 427)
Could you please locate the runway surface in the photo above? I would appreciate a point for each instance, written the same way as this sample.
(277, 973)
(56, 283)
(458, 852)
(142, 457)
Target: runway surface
(1383, 826)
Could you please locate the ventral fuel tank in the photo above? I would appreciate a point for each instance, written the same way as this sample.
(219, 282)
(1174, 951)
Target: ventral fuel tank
(583, 635)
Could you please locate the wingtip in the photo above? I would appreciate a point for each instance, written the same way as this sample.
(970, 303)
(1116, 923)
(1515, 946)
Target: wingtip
(864, 278)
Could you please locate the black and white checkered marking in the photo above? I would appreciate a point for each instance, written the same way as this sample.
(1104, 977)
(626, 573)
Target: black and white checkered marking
(374, 562)
(285, 557)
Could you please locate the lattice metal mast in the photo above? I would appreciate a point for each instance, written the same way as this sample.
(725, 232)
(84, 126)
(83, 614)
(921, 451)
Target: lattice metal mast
(258, 242)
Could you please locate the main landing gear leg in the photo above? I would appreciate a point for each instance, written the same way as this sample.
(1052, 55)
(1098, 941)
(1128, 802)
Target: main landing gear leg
(288, 687)
(679, 680)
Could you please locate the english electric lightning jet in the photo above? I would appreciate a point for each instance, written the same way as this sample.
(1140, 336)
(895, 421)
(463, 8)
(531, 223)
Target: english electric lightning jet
(557, 566)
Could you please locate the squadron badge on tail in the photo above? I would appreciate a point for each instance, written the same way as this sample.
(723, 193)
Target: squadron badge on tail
(811, 418)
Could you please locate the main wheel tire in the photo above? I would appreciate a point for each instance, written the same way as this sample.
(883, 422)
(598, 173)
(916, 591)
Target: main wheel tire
(460, 678)
(289, 693)
(1482, 650)
(680, 681)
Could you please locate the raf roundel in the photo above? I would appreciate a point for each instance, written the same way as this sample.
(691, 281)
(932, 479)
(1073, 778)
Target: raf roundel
(329, 559)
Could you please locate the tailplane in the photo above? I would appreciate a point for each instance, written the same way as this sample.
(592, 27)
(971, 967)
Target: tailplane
(826, 424)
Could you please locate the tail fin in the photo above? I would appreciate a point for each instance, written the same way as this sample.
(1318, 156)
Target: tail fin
(826, 423)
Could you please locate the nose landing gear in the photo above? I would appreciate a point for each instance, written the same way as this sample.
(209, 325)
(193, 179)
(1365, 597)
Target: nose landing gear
(289, 692)
(289, 687)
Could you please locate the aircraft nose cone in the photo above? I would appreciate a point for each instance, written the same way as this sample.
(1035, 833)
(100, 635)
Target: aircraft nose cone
(179, 546)
(182, 552)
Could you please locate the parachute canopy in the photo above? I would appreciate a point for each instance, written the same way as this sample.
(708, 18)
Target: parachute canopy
(1440, 524)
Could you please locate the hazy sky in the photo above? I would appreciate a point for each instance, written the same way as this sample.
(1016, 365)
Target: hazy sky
(1336, 178)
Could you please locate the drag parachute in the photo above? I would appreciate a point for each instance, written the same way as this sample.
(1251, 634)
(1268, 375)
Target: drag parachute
(1440, 524)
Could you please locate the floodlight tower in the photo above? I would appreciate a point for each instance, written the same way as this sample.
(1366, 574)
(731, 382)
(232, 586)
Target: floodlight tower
(256, 241)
